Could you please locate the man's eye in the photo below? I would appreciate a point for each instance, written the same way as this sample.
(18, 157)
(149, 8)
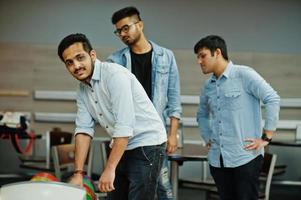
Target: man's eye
(68, 63)
(125, 28)
(80, 58)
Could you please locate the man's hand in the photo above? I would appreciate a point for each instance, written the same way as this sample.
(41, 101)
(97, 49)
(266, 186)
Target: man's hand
(208, 144)
(77, 179)
(255, 143)
(106, 181)
(172, 143)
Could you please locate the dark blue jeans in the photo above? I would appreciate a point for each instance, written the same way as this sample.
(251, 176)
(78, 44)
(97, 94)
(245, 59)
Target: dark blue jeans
(164, 190)
(137, 173)
(239, 183)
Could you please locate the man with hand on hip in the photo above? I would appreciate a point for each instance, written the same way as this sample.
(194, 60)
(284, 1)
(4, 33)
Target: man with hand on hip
(229, 119)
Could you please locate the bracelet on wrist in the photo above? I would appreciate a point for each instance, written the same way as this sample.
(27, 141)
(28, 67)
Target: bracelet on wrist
(80, 172)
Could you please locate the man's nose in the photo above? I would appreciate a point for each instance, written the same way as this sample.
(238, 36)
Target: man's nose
(122, 33)
(199, 61)
(76, 64)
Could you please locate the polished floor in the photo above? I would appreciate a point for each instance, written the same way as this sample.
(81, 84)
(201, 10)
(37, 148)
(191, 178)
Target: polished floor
(277, 192)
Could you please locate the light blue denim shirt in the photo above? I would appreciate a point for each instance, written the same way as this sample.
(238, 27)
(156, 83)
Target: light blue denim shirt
(119, 103)
(230, 112)
(165, 79)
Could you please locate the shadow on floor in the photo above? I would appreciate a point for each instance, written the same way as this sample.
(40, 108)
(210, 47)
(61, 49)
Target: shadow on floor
(277, 193)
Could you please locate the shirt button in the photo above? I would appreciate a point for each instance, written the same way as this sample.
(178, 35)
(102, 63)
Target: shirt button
(220, 134)
(92, 90)
(218, 109)
(222, 145)
(219, 121)
(100, 114)
(217, 85)
(218, 97)
(107, 126)
(96, 102)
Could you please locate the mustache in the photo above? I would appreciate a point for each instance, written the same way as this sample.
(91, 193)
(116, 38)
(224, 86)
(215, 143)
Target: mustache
(79, 69)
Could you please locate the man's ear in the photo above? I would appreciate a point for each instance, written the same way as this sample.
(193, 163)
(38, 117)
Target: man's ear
(218, 52)
(141, 25)
(93, 55)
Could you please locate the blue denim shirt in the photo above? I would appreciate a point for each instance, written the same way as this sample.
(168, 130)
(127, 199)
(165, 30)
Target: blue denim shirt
(119, 103)
(165, 79)
(230, 112)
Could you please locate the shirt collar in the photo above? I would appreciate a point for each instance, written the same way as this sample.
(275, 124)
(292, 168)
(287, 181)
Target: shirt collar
(96, 71)
(228, 70)
(156, 49)
(226, 73)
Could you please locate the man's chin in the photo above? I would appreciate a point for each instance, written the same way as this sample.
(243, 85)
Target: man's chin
(81, 78)
(205, 72)
(128, 42)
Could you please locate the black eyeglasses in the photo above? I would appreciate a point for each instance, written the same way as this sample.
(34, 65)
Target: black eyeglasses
(124, 29)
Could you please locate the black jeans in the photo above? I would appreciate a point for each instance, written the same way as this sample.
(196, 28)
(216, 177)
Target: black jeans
(137, 173)
(239, 183)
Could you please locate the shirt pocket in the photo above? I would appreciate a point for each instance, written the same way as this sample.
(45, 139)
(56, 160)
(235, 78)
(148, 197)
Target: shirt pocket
(162, 69)
(233, 99)
(162, 73)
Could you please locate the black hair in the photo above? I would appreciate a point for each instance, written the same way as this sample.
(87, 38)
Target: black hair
(212, 42)
(125, 12)
(71, 39)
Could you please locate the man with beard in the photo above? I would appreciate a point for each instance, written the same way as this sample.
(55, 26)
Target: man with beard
(156, 69)
(111, 95)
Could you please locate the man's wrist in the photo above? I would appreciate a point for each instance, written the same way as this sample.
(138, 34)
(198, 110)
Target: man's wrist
(264, 137)
(79, 172)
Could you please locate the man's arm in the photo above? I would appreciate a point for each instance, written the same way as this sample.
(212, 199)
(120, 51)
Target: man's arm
(259, 88)
(107, 178)
(203, 118)
(82, 144)
(174, 108)
(121, 95)
(174, 105)
(172, 140)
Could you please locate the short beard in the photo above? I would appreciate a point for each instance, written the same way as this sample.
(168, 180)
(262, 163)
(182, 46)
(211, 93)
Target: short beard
(88, 79)
(133, 42)
(92, 69)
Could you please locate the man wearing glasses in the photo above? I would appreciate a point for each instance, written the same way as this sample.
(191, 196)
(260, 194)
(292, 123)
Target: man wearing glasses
(156, 69)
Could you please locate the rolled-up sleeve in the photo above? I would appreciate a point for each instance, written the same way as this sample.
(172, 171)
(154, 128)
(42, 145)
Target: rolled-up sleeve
(84, 121)
(120, 90)
(174, 108)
